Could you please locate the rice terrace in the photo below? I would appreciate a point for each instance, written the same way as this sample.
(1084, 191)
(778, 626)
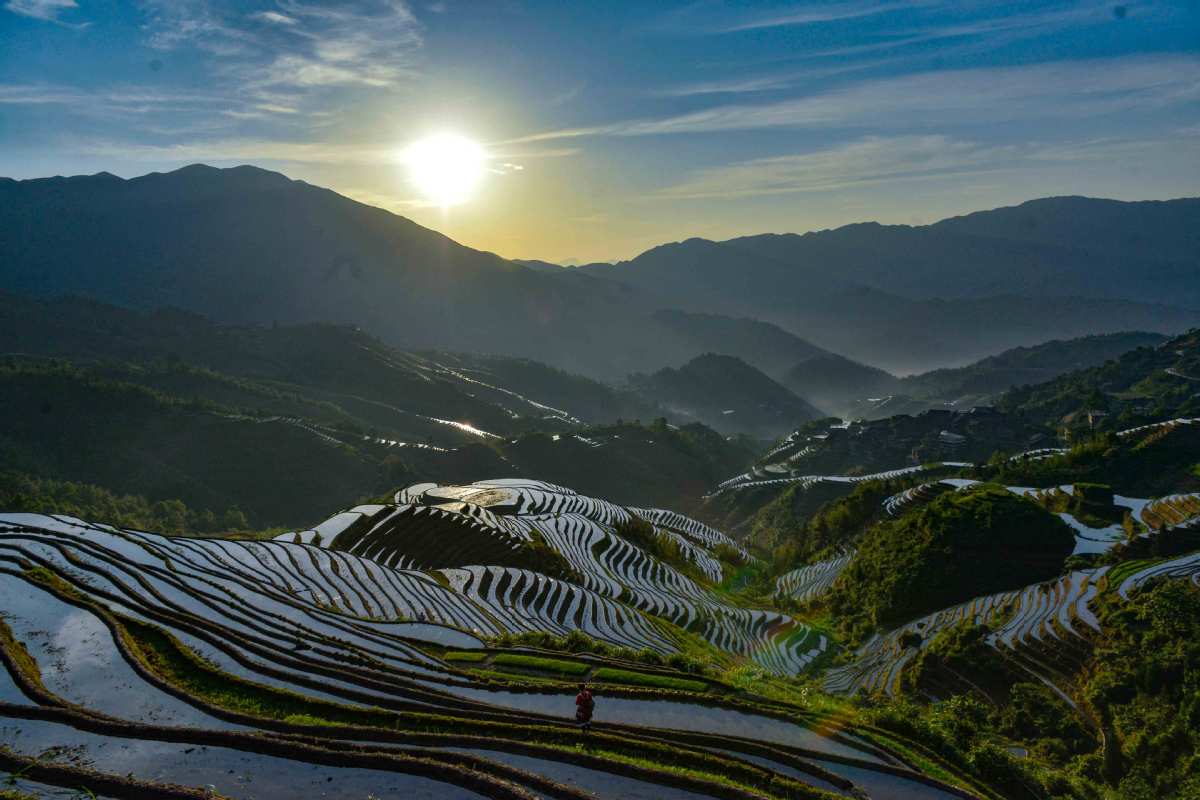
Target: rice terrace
(372, 644)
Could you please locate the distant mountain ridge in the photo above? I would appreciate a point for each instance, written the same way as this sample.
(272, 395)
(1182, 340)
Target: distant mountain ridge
(835, 383)
(848, 388)
(244, 245)
(911, 299)
(1060, 246)
(726, 394)
(1027, 365)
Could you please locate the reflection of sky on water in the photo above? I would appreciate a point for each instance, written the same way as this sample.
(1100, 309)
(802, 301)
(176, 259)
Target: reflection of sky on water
(79, 661)
(80, 640)
(236, 774)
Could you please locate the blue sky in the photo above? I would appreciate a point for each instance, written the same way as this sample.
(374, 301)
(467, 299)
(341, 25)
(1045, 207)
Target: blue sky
(611, 127)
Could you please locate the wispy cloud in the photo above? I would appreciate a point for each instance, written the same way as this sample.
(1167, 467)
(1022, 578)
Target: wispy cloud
(869, 160)
(244, 150)
(274, 17)
(301, 46)
(877, 160)
(251, 149)
(46, 10)
(280, 66)
(728, 86)
(505, 151)
(161, 112)
(567, 95)
(764, 83)
(809, 14)
(1057, 90)
(921, 20)
(172, 24)
(118, 100)
(707, 18)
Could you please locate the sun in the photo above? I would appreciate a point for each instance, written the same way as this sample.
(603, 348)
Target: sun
(446, 168)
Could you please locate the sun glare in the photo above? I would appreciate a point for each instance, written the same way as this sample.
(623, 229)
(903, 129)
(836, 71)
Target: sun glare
(446, 168)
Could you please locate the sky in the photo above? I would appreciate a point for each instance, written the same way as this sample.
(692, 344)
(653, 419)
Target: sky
(611, 127)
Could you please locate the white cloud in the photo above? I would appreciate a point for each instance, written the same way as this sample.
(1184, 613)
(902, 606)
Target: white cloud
(163, 112)
(171, 24)
(369, 43)
(245, 150)
(118, 100)
(764, 83)
(48, 10)
(273, 17)
(877, 160)
(251, 149)
(728, 86)
(26, 95)
(502, 150)
(1055, 90)
(808, 14)
(273, 66)
(869, 160)
(706, 18)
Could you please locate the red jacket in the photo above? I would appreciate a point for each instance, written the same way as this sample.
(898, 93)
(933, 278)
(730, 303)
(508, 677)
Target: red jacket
(584, 705)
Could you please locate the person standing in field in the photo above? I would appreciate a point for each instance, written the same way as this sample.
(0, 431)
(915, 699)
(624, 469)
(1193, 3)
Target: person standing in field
(585, 704)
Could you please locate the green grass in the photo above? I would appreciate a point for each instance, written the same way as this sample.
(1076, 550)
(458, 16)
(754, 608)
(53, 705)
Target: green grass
(612, 675)
(13, 794)
(1126, 568)
(512, 677)
(465, 655)
(541, 664)
(175, 663)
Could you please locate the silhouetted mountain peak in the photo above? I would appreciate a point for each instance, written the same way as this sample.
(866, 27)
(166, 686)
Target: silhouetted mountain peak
(727, 393)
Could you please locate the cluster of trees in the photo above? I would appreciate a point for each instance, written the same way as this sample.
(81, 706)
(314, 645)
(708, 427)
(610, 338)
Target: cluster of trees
(25, 493)
(1134, 733)
(1143, 685)
(803, 525)
(63, 423)
(1142, 385)
(1161, 463)
(976, 737)
(977, 541)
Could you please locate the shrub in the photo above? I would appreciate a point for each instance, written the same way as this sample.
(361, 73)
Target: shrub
(20, 492)
(1094, 494)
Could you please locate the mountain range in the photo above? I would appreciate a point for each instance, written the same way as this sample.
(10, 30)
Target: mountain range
(911, 298)
(245, 245)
